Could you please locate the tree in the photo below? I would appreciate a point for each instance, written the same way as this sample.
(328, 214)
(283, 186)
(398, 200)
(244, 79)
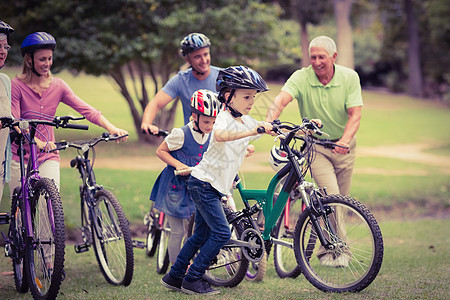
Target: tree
(415, 88)
(137, 42)
(342, 10)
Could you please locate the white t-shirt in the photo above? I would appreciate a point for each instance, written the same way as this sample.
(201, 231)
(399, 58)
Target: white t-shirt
(222, 160)
(175, 139)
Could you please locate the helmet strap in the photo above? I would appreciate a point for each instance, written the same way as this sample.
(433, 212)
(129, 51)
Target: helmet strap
(233, 112)
(199, 73)
(32, 65)
(196, 122)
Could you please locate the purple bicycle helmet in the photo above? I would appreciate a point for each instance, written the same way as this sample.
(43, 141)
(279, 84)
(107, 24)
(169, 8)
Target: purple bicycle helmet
(36, 41)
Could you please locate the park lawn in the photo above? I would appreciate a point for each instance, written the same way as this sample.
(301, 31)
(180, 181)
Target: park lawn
(415, 266)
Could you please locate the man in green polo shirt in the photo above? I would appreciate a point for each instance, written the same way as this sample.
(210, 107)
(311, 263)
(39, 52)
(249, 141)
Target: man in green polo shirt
(331, 93)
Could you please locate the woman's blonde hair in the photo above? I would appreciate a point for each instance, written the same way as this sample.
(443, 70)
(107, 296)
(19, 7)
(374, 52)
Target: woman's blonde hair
(27, 69)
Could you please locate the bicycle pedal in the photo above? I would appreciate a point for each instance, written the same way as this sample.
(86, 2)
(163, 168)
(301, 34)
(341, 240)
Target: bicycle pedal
(4, 218)
(80, 248)
(139, 244)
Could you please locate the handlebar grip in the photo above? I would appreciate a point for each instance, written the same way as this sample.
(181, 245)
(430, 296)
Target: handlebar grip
(177, 172)
(261, 129)
(160, 132)
(77, 126)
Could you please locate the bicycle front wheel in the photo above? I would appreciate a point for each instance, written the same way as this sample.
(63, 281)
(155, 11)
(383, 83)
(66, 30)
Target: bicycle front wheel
(17, 236)
(357, 253)
(112, 239)
(45, 251)
(162, 256)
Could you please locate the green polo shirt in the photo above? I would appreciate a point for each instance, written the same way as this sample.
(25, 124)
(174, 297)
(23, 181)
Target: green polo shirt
(328, 103)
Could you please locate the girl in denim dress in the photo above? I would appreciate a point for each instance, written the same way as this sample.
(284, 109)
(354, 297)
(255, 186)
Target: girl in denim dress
(181, 149)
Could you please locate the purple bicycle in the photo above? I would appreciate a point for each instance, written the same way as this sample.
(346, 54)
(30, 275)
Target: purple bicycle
(36, 240)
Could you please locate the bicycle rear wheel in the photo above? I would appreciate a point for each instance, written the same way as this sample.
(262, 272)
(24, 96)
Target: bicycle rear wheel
(229, 267)
(17, 236)
(45, 252)
(358, 246)
(112, 239)
(283, 256)
(162, 256)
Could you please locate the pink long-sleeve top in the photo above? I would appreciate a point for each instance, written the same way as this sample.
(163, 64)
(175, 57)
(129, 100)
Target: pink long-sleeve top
(27, 104)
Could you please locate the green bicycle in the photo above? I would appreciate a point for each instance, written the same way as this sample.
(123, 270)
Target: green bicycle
(329, 225)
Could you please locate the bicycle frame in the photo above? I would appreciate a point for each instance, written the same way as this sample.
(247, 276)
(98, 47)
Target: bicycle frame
(27, 178)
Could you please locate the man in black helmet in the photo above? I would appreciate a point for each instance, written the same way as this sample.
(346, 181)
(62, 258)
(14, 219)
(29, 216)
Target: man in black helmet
(195, 49)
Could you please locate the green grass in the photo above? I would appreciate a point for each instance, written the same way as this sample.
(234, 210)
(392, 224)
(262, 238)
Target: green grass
(415, 266)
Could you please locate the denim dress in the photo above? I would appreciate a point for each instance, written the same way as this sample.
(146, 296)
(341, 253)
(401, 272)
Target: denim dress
(169, 191)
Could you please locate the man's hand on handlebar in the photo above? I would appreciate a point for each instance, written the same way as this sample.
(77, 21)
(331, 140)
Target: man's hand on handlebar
(150, 128)
(341, 150)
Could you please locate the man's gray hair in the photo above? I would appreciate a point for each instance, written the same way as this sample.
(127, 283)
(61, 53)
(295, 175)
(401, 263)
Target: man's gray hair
(2, 36)
(323, 42)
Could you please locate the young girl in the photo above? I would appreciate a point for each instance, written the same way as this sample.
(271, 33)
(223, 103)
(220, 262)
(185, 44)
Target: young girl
(212, 178)
(183, 148)
(36, 94)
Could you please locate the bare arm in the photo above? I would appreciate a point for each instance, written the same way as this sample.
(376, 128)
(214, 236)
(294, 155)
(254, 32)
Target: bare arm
(352, 126)
(225, 135)
(160, 100)
(277, 106)
(163, 153)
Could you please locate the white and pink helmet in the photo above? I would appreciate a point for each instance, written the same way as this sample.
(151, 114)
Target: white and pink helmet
(205, 102)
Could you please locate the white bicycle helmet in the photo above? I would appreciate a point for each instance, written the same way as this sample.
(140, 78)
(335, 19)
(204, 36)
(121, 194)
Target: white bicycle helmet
(277, 159)
(205, 102)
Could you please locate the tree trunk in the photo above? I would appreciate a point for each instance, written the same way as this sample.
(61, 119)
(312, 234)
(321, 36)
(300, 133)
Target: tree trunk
(304, 40)
(415, 87)
(342, 9)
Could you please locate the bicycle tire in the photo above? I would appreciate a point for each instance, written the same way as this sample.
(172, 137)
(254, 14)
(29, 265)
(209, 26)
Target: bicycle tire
(112, 239)
(359, 257)
(162, 254)
(16, 235)
(284, 257)
(45, 252)
(221, 272)
(153, 236)
(257, 271)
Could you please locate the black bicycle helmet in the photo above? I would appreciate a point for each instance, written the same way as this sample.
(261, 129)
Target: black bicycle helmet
(194, 41)
(6, 29)
(36, 41)
(239, 77)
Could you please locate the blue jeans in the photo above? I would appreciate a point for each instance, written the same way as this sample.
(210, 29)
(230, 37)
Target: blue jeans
(210, 234)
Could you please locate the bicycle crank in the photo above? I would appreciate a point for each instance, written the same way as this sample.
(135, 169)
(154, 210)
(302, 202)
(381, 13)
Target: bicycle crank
(254, 245)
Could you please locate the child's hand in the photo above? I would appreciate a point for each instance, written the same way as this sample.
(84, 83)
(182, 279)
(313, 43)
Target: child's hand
(267, 128)
(250, 150)
(183, 170)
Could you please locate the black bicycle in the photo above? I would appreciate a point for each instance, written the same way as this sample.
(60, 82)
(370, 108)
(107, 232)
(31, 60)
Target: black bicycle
(103, 221)
(36, 236)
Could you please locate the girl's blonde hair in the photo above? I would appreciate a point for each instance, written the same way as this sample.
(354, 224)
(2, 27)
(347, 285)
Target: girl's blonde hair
(27, 72)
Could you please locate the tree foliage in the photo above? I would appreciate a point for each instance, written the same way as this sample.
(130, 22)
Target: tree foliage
(136, 42)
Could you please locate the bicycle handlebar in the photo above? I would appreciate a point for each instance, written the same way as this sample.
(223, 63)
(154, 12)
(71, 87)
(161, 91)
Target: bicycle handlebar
(305, 127)
(85, 145)
(56, 122)
(161, 132)
(189, 169)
